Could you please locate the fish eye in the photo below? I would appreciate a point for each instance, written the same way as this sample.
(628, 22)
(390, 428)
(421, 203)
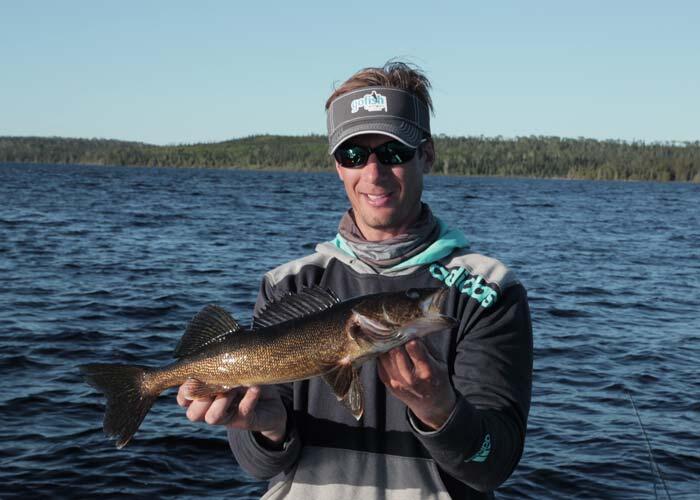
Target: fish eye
(412, 293)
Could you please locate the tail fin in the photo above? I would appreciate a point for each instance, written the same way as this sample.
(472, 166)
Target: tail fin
(127, 398)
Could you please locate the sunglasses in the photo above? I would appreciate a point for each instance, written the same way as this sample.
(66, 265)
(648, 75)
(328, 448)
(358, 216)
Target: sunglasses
(389, 153)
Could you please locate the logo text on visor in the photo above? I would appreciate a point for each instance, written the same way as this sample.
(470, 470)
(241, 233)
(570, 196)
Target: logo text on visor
(370, 102)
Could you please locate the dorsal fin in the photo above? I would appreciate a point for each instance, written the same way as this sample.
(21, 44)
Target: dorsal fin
(295, 305)
(211, 325)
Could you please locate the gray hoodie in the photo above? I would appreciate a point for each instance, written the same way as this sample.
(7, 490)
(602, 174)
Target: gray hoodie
(330, 455)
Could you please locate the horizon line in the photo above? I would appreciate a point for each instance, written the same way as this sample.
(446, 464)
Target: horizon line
(671, 142)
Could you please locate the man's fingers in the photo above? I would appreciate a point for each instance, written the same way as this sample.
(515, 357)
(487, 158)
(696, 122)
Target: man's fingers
(421, 358)
(395, 370)
(250, 399)
(387, 371)
(197, 409)
(403, 364)
(217, 413)
(405, 372)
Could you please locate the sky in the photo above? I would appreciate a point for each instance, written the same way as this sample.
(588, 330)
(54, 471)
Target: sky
(180, 72)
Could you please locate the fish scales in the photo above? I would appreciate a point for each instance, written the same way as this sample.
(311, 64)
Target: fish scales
(290, 351)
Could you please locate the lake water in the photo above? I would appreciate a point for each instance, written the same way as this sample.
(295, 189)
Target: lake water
(108, 264)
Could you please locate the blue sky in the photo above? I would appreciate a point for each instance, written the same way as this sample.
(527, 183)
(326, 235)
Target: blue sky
(182, 72)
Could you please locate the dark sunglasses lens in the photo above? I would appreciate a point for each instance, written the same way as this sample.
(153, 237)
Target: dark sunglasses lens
(390, 153)
(351, 156)
(395, 153)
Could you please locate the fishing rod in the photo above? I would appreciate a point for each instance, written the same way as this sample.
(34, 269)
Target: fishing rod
(652, 463)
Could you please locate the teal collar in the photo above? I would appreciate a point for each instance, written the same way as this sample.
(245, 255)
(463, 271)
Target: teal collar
(447, 242)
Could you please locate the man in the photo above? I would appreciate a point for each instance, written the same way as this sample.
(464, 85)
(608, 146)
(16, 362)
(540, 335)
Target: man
(445, 416)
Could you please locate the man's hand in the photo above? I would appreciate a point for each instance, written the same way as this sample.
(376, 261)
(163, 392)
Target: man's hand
(422, 382)
(252, 408)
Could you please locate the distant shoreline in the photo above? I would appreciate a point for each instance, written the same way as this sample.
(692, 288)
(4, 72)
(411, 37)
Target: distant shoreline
(528, 157)
(312, 171)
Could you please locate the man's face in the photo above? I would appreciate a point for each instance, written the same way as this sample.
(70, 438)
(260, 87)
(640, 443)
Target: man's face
(385, 198)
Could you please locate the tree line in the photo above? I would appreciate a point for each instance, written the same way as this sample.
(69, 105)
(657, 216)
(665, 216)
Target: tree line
(534, 156)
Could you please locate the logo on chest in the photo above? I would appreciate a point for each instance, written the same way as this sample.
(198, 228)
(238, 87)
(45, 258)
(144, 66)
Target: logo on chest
(473, 286)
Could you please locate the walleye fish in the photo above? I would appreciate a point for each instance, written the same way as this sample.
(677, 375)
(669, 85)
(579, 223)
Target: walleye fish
(308, 334)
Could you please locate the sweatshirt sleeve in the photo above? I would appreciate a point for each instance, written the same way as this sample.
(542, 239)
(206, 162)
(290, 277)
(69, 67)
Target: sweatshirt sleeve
(483, 439)
(252, 452)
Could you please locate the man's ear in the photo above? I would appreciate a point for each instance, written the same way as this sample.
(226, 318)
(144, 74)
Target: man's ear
(427, 150)
(339, 169)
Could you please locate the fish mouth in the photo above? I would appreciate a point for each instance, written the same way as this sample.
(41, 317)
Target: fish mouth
(388, 332)
(432, 305)
(393, 334)
(426, 326)
(433, 319)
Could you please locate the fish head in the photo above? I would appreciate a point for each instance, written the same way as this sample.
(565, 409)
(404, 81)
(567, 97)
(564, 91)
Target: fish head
(388, 320)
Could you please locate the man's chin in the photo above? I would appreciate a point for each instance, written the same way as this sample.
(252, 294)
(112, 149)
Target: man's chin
(383, 223)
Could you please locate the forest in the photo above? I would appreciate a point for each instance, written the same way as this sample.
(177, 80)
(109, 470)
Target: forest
(533, 156)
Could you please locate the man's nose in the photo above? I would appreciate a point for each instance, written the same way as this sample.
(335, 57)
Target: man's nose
(374, 169)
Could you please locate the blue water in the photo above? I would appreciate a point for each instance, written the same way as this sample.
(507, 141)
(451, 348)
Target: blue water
(109, 264)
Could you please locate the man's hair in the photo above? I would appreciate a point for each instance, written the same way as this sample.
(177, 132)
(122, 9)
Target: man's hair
(394, 74)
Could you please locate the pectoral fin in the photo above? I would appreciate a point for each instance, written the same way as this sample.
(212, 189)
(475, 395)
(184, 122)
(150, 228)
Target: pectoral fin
(354, 399)
(196, 389)
(345, 383)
